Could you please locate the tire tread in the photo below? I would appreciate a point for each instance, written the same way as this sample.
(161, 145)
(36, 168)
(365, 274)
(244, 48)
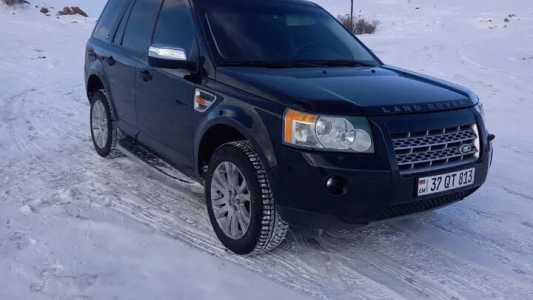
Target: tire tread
(273, 228)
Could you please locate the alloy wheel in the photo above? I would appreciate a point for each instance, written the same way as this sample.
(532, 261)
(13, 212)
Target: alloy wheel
(99, 124)
(231, 200)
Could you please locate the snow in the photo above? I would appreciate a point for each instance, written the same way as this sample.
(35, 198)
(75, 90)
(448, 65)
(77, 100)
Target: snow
(74, 226)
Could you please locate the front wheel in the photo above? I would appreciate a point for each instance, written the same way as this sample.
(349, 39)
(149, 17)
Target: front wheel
(240, 202)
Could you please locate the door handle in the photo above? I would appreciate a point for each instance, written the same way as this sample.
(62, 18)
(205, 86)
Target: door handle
(110, 61)
(146, 75)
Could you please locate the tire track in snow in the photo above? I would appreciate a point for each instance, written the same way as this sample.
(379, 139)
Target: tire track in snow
(424, 268)
(366, 254)
(185, 220)
(17, 126)
(380, 261)
(515, 193)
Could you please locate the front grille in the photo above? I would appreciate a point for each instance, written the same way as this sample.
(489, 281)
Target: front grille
(420, 151)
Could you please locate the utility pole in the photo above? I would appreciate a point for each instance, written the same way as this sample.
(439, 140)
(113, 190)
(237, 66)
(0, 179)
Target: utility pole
(351, 14)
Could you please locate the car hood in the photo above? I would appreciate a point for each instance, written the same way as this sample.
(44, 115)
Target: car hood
(365, 90)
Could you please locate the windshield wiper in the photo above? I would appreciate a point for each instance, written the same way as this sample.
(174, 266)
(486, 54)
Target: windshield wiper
(298, 63)
(333, 63)
(256, 63)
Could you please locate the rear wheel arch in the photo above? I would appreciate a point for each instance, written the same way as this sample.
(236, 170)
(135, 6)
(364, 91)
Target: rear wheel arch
(94, 84)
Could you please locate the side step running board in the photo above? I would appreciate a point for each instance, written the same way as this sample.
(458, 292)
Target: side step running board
(167, 172)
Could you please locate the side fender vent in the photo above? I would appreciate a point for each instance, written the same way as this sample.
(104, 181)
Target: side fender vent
(203, 100)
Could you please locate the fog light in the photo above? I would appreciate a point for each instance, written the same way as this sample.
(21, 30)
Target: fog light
(336, 185)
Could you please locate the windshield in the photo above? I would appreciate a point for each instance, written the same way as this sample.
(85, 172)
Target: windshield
(280, 34)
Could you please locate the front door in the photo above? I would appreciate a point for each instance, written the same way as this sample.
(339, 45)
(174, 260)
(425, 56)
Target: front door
(164, 97)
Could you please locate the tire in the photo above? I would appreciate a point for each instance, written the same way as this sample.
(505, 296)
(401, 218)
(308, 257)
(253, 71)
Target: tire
(266, 229)
(103, 133)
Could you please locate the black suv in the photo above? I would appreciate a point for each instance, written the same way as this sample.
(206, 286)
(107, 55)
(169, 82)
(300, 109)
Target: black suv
(280, 112)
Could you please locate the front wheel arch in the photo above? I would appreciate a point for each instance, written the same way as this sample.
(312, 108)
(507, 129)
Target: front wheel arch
(213, 138)
(234, 131)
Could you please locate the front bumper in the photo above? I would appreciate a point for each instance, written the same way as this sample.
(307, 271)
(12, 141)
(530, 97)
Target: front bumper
(374, 188)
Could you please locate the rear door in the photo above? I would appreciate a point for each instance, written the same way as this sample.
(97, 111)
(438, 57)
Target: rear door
(116, 65)
(164, 97)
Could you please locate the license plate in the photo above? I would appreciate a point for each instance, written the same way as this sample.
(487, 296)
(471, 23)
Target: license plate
(445, 182)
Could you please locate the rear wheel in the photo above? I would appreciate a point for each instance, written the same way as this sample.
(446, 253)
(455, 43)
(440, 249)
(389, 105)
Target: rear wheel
(240, 202)
(103, 134)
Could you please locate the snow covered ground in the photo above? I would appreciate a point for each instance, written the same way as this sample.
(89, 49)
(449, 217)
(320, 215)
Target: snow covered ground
(74, 226)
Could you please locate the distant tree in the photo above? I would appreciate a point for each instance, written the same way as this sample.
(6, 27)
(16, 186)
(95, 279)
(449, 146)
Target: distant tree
(360, 26)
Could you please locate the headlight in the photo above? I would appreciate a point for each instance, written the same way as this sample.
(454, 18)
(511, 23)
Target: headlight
(351, 134)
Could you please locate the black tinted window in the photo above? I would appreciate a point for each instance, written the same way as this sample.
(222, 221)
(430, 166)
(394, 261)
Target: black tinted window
(108, 19)
(140, 25)
(278, 31)
(175, 26)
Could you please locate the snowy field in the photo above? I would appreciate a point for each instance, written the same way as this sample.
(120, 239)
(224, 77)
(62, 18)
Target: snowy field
(75, 226)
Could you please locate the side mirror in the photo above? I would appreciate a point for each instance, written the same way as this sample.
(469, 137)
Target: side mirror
(169, 57)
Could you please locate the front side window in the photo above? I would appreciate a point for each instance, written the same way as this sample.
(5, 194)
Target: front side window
(140, 25)
(279, 32)
(175, 27)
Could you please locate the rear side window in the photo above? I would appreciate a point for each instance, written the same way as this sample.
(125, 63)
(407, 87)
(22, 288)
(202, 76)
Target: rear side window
(108, 19)
(175, 27)
(140, 25)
